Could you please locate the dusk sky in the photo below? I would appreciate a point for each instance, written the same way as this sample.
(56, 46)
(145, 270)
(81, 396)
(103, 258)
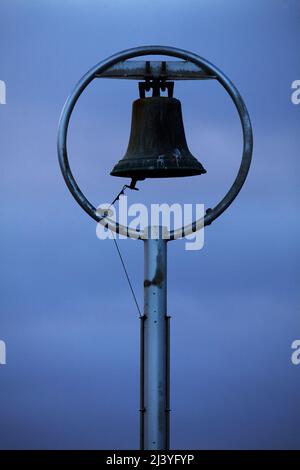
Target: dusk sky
(67, 316)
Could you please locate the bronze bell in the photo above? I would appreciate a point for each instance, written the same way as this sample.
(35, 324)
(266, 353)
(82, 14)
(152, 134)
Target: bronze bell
(157, 145)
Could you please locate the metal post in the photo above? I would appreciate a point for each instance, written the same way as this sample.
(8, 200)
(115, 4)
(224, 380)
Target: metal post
(155, 359)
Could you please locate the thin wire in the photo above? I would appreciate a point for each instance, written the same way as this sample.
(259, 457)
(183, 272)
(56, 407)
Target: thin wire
(126, 274)
(120, 255)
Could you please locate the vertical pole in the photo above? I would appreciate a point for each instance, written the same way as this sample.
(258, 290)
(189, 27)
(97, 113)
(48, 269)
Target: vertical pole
(155, 356)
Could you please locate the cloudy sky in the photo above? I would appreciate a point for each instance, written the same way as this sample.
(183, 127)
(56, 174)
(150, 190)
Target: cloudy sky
(67, 317)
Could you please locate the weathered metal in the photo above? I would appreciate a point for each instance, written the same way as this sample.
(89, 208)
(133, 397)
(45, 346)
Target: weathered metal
(155, 361)
(157, 145)
(156, 69)
(97, 71)
(155, 369)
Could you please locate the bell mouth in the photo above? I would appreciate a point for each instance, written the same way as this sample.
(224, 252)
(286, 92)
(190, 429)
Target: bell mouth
(158, 168)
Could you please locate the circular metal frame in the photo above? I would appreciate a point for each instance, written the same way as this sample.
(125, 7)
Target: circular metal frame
(101, 67)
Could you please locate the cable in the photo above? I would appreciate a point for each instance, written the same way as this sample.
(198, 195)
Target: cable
(127, 276)
(118, 249)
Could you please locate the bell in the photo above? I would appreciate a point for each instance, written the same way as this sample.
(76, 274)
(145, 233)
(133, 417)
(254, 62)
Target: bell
(157, 145)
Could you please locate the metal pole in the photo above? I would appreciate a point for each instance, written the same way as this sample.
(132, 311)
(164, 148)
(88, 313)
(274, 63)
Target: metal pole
(155, 358)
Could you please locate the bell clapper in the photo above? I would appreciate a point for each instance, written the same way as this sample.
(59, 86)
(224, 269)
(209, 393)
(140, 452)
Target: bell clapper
(106, 212)
(132, 185)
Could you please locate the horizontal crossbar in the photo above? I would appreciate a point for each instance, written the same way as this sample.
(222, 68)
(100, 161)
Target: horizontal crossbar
(155, 69)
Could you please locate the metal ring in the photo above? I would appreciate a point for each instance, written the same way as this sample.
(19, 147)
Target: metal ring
(180, 54)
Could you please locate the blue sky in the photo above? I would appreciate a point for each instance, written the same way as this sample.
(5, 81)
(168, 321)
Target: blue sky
(71, 329)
